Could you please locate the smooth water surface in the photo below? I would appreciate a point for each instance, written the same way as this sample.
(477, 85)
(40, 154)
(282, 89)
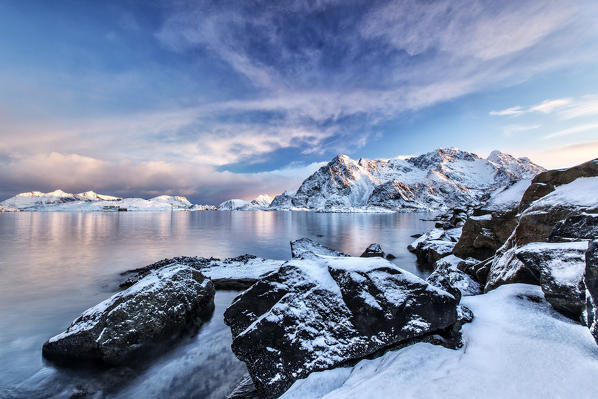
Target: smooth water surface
(55, 265)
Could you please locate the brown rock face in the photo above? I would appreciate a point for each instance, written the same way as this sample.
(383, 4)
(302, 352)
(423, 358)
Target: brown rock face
(482, 236)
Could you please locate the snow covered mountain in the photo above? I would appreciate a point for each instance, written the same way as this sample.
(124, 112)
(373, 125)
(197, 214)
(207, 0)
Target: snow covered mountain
(262, 202)
(90, 201)
(437, 180)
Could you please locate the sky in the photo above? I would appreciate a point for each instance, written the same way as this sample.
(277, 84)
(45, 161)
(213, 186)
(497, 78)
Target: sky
(230, 99)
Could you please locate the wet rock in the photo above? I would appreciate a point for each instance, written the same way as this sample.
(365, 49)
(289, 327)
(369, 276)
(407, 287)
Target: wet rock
(591, 283)
(559, 268)
(374, 250)
(320, 312)
(304, 245)
(134, 322)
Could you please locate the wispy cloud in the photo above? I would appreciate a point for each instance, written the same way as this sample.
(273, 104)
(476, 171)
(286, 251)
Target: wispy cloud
(573, 130)
(510, 130)
(563, 108)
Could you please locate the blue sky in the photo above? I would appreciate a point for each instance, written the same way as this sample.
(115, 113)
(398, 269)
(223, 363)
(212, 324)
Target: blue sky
(231, 99)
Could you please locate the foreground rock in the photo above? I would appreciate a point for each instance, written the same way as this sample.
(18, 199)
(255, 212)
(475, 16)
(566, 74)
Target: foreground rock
(536, 224)
(133, 322)
(303, 246)
(236, 273)
(591, 283)
(576, 227)
(559, 268)
(373, 251)
(490, 226)
(320, 312)
(449, 275)
(435, 244)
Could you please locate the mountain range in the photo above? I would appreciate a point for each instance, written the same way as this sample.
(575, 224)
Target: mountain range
(441, 179)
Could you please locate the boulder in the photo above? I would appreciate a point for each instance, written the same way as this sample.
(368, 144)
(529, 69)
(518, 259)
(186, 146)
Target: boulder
(559, 268)
(576, 227)
(135, 321)
(536, 224)
(434, 245)
(236, 273)
(319, 312)
(374, 250)
(591, 283)
(483, 235)
(304, 245)
(545, 182)
(449, 276)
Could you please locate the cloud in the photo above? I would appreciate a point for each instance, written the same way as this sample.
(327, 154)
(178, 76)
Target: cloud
(563, 108)
(565, 156)
(573, 130)
(517, 110)
(202, 183)
(510, 130)
(327, 61)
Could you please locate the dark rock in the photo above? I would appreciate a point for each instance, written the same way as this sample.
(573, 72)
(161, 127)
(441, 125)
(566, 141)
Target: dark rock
(236, 273)
(134, 322)
(318, 313)
(483, 235)
(449, 276)
(576, 227)
(560, 268)
(303, 245)
(434, 245)
(540, 215)
(591, 283)
(244, 389)
(390, 256)
(374, 250)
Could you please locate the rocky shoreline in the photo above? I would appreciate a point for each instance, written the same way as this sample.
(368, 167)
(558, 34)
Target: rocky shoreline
(322, 309)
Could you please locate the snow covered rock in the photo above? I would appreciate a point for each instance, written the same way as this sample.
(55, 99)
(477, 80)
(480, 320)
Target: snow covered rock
(490, 226)
(559, 267)
(545, 182)
(374, 250)
(449, 276)
(132, 322)
(516, 347)
(305, 247)
(320, 312)
(576, 227)
(435, 244)
(536, 224)
(591, 284)
(236, 273)
(440, 179)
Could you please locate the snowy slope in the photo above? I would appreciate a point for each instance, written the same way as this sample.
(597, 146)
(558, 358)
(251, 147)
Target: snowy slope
(437, 180)
(516, 347)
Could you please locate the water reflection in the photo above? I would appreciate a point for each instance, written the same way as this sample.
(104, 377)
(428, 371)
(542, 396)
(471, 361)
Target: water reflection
(54, 265)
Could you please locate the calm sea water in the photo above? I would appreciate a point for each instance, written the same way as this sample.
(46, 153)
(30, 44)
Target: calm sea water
(55, 265)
